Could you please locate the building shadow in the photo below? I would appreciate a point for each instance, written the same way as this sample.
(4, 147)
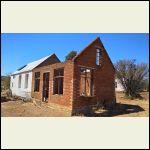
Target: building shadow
(118, 109)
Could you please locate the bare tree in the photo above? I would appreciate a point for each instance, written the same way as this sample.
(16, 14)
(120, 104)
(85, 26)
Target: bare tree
(131, 76)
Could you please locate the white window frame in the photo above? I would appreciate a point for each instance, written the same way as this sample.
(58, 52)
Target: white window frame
(19, 81)
(26, 81)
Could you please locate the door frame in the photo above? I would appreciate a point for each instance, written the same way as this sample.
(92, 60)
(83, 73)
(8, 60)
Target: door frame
(45, 87)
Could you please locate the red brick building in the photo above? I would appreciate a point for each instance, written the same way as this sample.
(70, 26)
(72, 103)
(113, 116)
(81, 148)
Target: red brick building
(77, 84)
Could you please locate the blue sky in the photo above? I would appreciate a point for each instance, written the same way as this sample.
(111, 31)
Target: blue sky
(18, 49)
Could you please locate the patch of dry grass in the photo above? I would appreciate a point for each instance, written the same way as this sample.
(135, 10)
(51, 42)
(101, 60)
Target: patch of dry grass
(124, 108)
(142, 104)
(16, 107)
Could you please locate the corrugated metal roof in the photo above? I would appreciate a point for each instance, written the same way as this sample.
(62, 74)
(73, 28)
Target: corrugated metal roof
(31, 66)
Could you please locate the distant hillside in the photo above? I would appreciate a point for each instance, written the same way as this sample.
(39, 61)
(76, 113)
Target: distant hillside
(5, 82)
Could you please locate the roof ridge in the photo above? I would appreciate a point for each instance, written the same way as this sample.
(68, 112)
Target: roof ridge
(39, 59)
(30, 66)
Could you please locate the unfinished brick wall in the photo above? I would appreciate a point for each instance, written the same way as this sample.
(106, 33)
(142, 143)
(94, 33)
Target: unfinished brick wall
(103, 77)
(66, 98)
(103, 80)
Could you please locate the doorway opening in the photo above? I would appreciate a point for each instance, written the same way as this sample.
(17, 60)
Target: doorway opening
(45, 87)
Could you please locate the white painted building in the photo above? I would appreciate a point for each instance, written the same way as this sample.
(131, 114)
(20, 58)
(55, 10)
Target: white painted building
(118, 86)
(21, 80)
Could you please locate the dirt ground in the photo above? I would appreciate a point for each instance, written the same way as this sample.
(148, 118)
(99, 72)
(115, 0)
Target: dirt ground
(123, 108)
(134, 108)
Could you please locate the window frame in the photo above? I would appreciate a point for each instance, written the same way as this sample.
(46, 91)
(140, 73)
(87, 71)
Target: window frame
(58, 81)
(86, 77)
(26, 81)
(98, 56)
(37, 81)
(19, 81)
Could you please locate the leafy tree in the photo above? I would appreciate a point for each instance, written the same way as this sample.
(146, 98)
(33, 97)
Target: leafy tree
(131, 76)
(71, 55)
